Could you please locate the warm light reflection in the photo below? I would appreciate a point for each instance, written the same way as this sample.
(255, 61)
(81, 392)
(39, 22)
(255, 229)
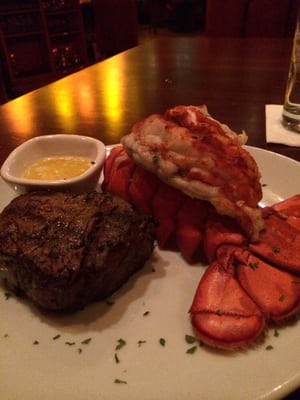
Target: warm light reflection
(63, 103)
(20, 117)
(111, 81)
(69, 106)
(85, 100)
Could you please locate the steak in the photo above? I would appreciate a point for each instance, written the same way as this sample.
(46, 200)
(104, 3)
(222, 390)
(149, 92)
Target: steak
(65, 250)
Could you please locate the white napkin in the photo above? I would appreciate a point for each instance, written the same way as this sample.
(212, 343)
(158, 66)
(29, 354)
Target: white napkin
(275, 131)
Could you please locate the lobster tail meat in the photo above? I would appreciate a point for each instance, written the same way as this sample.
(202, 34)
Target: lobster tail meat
(194, 153)
(179, 167)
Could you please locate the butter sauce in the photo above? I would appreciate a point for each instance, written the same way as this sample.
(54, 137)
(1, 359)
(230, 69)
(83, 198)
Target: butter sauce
(57, 168)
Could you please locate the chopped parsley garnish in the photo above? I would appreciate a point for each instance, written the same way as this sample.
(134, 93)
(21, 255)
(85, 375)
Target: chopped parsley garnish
(79, 350)
(120, 381)
(191, 350)
(70, 343)
(276, 333)
(155, 159)
(86, 341)
(276, 250)
(56, 337)
(140, 342)
(146, 313)
(190, 339)
(269, 347)
(162, 341)
(117, 360)
(36, 342)
(121, 343)
(253, 265)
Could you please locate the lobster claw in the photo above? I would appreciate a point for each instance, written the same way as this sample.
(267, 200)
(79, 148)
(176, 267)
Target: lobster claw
(222, 313)
(238, 295)
(275, 291)
(247, 286)
(290, 209)
(279, 242)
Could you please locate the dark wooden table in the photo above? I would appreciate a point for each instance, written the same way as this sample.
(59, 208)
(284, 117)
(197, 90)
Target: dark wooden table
(235, 78)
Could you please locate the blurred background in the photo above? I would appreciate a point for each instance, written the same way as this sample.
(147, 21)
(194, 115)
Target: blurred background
(44, 40)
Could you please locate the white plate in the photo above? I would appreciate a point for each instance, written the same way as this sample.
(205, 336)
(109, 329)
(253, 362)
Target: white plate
(55, 369)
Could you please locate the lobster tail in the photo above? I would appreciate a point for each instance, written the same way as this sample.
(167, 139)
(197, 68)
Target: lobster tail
(192, 174)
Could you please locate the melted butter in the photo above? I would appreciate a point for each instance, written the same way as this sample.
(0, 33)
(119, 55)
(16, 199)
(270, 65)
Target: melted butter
(57, 168)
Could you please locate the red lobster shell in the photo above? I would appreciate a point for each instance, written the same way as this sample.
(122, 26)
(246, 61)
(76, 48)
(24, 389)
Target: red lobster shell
(247, 285)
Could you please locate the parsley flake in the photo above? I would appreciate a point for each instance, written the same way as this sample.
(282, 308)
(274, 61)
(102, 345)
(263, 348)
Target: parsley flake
(155, 159)
(36, 342)
(140, 342)
(191, 350)
(162, 341)
(117, 360)
(276, 250)
(120, 381)
(276, 333)
(56, 337)
(121, 343)
(253, 265)
(146, 313)
(190, 339)
(86, 341)
(269, 347)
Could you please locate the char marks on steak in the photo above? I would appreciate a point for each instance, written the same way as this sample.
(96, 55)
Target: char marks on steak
(66, 250)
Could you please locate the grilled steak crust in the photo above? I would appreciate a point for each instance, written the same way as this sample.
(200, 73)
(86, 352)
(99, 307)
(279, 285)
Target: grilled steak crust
(66, 250)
